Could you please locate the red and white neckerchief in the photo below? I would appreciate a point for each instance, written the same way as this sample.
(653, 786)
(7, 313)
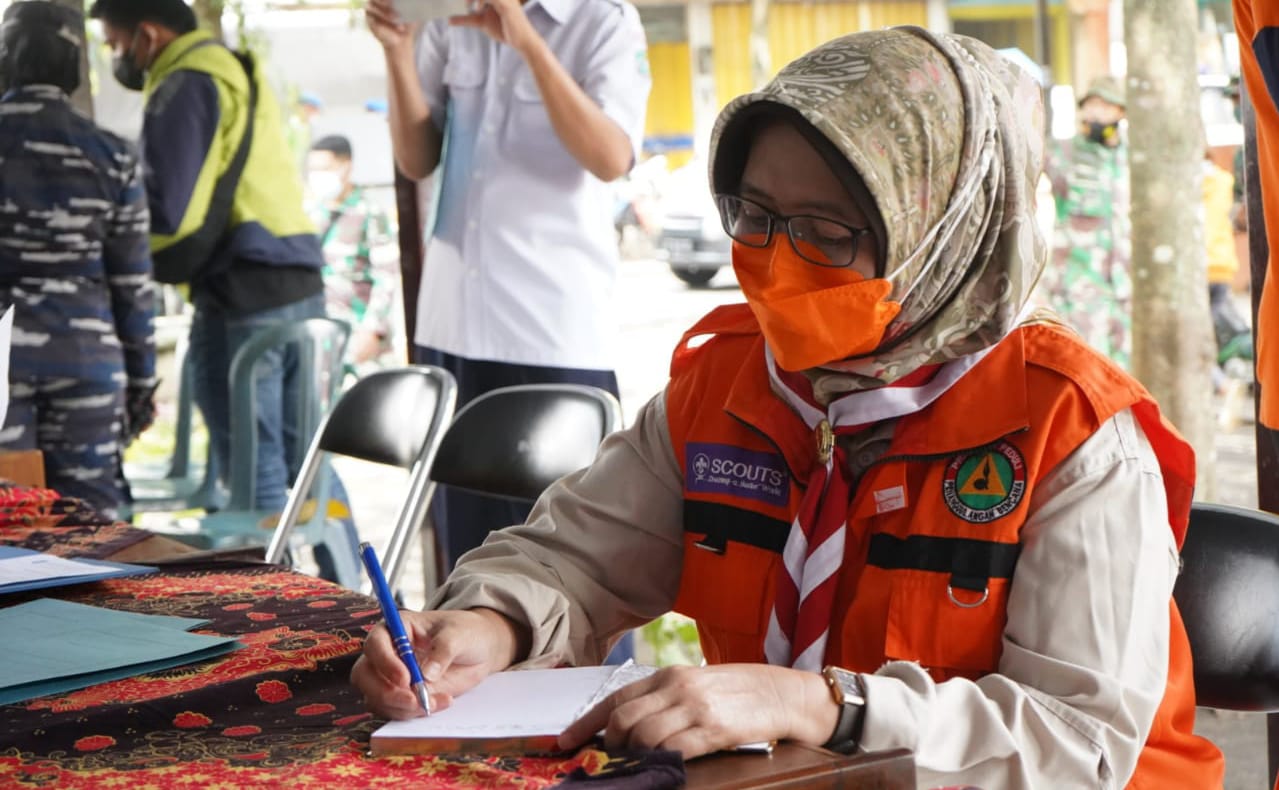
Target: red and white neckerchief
(799, 625)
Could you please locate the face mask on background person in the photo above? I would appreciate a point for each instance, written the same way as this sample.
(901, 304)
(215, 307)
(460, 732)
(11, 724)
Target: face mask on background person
(1103, 133)
(125, 68)
(326, 186)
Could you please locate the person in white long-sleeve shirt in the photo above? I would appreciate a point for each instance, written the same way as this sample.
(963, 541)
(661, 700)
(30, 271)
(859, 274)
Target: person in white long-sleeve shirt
(904, 509)
(542, 105)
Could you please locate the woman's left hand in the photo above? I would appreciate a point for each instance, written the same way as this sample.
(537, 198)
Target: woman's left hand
(698, 710)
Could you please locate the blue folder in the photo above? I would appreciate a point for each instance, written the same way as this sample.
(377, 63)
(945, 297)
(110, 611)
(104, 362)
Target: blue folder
(105, 570)
(59, 646)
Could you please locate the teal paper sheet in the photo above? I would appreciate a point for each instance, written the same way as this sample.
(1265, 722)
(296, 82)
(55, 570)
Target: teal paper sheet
(53, 646)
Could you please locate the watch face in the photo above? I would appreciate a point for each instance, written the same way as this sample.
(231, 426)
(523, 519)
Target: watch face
(844, 685)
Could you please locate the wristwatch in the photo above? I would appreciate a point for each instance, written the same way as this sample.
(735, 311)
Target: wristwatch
(849, 694)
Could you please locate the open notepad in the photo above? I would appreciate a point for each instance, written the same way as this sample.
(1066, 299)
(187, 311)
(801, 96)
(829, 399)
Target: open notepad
(514, 712)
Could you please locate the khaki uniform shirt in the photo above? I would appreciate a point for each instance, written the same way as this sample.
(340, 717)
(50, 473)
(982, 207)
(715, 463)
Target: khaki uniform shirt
(1085, 651)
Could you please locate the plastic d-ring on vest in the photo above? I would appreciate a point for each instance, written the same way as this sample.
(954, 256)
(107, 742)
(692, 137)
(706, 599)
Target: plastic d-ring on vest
(950, 591)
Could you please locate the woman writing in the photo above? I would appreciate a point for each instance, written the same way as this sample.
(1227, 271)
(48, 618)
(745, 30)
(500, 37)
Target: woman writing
(843, 476)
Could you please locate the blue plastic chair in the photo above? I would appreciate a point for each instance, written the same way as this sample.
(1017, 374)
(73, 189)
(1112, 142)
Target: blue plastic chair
(184, 483)
(321, 344)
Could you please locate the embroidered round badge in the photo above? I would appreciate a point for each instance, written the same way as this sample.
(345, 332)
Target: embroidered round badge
(985, 485)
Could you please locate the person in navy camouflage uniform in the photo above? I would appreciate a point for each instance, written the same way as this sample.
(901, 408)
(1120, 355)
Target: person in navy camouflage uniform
(74, 263)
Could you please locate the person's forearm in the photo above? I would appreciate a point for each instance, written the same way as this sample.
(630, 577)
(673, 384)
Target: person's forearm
(415, 140)
(815, 710)
(590, 136)
(513, 641)
(179, 137)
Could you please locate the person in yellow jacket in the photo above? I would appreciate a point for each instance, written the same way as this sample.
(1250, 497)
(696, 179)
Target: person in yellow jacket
(227, 216)
(903, 510)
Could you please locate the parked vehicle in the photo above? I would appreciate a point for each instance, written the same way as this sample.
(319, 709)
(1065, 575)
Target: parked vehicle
(689, 238)
(635, 199)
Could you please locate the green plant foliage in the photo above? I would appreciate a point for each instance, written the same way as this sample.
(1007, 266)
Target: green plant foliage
(673, 640)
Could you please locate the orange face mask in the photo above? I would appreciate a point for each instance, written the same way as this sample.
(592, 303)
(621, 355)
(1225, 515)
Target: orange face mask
(811, 315)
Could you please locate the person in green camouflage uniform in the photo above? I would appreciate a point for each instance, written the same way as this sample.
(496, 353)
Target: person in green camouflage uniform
(361, 259)
(1089, 281)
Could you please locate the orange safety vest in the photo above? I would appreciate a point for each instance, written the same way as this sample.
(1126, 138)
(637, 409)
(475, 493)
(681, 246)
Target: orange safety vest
(933, 525)
(1257, 25)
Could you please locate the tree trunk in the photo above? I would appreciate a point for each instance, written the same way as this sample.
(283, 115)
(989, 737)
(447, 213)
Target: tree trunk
(82, 99)
(761, 57)
(1173, 344)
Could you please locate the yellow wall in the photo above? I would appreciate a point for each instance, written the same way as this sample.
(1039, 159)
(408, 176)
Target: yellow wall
(730, 42)
(670, 104)
(793, 29)
(1005, 23)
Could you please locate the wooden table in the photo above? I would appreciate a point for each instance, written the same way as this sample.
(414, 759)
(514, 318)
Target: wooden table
(24, 467)
(796, 765)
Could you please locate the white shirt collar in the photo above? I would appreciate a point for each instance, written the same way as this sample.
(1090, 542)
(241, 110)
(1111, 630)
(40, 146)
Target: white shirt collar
(557, 10)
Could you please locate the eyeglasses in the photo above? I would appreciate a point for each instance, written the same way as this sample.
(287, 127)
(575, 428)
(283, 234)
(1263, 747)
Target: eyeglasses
(820, 241)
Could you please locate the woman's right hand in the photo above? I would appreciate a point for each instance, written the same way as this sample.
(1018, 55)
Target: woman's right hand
(456, 650)
(387, 27)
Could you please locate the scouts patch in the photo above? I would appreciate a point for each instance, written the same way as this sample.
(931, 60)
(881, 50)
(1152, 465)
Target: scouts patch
(985, 485)
(725, 469)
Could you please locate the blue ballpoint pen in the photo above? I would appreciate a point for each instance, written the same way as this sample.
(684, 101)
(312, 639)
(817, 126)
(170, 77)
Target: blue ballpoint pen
(391, 613)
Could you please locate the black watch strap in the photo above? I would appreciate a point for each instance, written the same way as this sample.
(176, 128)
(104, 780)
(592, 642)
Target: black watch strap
(848, 731)
(848, 728)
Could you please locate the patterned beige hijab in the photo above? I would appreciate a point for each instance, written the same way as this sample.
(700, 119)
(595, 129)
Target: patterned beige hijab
(947, 137)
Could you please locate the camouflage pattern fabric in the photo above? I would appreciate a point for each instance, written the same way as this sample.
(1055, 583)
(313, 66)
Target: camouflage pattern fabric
(361, 266)
(75, 264)
(76, 424)
(1089, 282)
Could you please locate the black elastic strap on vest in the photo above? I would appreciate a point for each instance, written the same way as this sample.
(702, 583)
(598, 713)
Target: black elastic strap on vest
(197, 256)
(970, 563)
(722, 523)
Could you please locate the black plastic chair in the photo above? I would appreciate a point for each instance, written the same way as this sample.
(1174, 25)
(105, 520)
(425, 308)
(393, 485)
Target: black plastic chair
(513, 442)
(395, 417)
(1228, 595)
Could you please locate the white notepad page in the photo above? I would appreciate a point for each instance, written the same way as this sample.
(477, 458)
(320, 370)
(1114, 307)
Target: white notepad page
(513, 704)
(527, 703)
